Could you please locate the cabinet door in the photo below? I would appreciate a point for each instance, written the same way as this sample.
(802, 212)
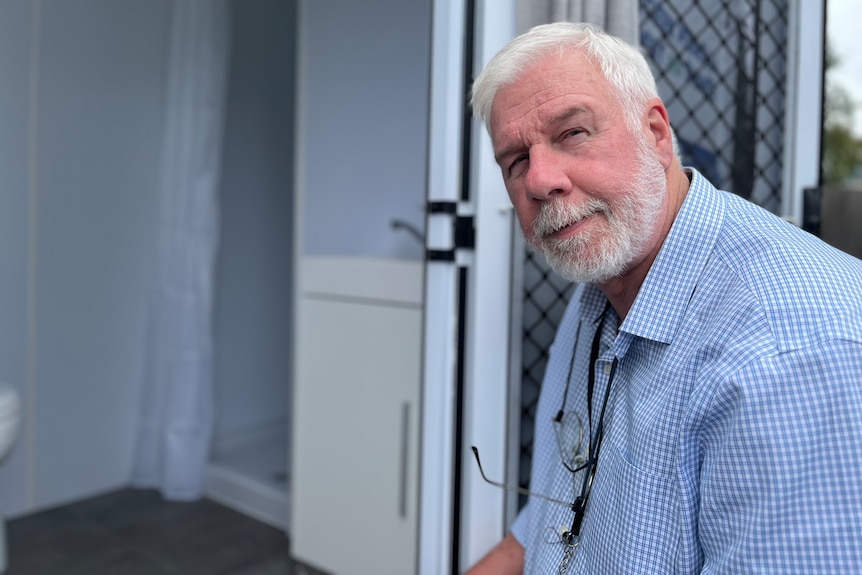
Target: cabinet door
(355, 464)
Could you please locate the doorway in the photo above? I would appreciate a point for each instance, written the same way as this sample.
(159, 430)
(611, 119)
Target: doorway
(253, 324)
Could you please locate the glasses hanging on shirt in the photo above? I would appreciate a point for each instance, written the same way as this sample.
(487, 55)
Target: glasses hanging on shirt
(570, 537)
(569, 433)
(579, 504)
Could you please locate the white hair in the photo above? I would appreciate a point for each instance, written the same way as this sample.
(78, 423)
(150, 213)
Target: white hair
(622, 65)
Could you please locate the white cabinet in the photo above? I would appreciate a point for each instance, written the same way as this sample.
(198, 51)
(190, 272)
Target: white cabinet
(355, 435)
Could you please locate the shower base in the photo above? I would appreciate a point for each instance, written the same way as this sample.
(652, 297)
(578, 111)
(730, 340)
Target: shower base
(248, 473)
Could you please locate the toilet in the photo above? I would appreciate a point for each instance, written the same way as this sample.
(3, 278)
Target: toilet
(10, 415)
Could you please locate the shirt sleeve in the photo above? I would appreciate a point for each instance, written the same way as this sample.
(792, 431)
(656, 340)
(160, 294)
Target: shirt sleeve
(781, 445)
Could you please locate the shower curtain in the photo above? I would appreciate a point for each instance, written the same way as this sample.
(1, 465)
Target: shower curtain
(617, 17)
(177, 405)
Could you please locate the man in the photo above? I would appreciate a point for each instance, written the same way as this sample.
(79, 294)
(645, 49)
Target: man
(702, 405)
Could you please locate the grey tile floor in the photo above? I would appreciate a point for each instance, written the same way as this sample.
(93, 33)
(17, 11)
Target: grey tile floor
(136, 532)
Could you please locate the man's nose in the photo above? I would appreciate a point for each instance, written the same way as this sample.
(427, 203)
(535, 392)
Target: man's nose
(545, 176)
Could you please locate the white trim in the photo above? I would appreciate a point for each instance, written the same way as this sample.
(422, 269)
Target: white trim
(437, 405)
(803, 119)
(516, 371)
(439, 353)
(487, 377)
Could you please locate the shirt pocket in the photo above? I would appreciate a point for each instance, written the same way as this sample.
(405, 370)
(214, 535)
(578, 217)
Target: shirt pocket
(633, 526)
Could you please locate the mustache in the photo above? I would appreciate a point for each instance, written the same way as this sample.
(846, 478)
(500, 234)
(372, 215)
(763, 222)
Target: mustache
(556, 215)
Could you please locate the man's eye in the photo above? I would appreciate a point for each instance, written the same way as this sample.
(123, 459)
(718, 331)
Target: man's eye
(573, 133)
(517, 164)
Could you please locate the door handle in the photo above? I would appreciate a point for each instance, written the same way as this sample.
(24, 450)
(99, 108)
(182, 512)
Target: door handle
(405, 455)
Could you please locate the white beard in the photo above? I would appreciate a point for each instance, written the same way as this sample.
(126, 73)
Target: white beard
(597, 255)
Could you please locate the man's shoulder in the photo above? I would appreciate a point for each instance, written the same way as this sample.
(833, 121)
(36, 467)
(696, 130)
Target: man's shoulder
(806, 289)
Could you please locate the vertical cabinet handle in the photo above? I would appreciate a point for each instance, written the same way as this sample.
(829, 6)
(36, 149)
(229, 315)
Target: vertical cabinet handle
(405, 452)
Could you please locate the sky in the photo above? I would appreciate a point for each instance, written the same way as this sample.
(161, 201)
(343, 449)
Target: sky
(842, 28)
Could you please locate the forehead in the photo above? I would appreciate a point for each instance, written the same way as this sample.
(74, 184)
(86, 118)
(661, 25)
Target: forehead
(552, 85)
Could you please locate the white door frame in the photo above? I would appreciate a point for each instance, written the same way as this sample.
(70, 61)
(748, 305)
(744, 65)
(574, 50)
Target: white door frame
(441, 298)
(483, 511)
(484, 402)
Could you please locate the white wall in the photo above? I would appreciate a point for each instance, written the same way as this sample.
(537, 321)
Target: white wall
(252, 313)
(99, 111)
(363, 126)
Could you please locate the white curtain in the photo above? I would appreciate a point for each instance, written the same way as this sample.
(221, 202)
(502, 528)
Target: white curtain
(177, 402)
(617, 17)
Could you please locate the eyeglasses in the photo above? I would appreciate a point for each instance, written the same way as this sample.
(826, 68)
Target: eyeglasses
(569, 453)
(578, 506)
(569, 431)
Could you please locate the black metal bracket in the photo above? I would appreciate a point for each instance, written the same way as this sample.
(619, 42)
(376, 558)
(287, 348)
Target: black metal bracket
(443, 207)
(440, 255)
(463, 231)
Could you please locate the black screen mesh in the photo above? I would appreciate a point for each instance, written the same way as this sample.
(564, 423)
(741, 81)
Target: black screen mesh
(720, 69)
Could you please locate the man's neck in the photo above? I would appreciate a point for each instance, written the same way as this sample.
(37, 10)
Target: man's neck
(621, 291)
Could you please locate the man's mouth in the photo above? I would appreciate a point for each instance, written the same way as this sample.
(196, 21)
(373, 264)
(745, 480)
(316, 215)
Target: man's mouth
(566, 229)
(559, 221)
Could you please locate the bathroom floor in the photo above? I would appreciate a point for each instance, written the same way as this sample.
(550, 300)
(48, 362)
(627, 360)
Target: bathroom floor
(136, 532)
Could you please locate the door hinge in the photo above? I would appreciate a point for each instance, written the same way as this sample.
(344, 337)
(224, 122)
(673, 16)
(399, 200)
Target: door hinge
(463, 231)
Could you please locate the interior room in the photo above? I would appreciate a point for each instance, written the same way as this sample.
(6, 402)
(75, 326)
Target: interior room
(142, 139)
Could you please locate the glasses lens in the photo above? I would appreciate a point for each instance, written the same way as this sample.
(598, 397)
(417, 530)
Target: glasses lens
(569, 430)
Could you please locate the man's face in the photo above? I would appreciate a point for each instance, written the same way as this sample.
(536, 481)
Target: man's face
(587, 192)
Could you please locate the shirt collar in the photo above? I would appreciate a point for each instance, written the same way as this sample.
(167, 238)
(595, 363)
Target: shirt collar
(593, 303)
(663, 298)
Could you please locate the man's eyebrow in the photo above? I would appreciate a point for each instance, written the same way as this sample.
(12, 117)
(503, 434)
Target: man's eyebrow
(570, 113)
(560, 118)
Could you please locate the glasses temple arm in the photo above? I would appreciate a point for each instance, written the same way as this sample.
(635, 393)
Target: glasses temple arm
(516, 488)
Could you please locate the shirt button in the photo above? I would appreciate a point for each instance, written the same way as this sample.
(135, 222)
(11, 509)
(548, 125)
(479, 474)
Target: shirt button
(607, 369)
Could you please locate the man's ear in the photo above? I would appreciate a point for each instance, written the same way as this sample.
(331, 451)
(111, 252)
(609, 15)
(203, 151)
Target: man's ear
(662, 135)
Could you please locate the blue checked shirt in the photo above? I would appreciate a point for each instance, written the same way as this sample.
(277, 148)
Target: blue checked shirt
(733, 433)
